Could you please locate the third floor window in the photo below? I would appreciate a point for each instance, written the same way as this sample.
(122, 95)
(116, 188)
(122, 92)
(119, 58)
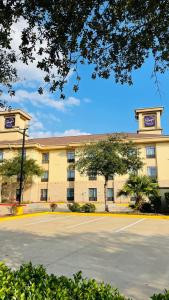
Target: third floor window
(150, 152)
(45, 157)
(70, 156)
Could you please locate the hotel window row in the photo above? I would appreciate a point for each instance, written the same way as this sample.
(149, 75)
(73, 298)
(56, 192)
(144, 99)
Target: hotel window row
(92, 194)
(150, 153)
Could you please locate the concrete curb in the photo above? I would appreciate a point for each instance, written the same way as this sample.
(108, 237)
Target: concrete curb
(10, 218)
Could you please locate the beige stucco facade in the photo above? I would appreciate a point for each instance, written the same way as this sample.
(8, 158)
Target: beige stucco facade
(153, 147)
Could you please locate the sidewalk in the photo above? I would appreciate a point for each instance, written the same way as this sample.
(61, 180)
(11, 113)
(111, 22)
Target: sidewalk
(62, 207)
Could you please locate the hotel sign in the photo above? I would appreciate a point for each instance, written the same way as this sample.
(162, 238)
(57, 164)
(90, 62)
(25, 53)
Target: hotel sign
(9, 122)
(150, 121)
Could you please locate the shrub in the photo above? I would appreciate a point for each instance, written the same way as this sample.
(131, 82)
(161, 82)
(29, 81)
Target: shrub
(145, 207)
(75, 207)
(53, 206)
(155, 203)
(88, 207)
(32, 282)
(164, 296)
(167, 199)
(132, 205)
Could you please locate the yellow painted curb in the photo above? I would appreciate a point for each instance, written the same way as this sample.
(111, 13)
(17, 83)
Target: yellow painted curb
(23, 216)
(10, 218)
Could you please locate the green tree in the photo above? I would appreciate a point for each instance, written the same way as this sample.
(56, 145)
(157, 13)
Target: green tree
(109, 157)
(10, 172)
(114, 36)
(140, 187)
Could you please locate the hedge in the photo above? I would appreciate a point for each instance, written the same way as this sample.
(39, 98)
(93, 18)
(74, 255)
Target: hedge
(33, 283)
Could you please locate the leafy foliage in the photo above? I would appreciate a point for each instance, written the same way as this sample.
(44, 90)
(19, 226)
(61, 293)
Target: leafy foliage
(74, 207)
(11, 167)
(145, 207)
(32, 282)
(110, 157)
(10, 172)
(115, 36)
(155, 201)
(88, 208)
(160, 296)
(139, 187)
(114, 155)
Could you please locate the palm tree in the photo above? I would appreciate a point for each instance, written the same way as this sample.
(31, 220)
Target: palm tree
(140, 187)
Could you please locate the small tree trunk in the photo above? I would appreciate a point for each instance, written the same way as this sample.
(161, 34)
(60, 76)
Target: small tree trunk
(139, 200)
(105, 195)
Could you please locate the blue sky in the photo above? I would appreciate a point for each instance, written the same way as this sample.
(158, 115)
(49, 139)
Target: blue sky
(99, 106)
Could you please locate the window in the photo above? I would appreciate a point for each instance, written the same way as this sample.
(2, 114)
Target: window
(43, 195)
(70, 194)
(1, 155)
(92, 175)
(70, 156)
(44, 177)
(110, 177)
(152, 172)
(150, 152)
(45, 158)
(110, 194)
(70, 174)
(92, 194)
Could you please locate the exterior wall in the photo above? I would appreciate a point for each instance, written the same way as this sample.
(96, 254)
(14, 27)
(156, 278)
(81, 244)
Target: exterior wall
(57, 167)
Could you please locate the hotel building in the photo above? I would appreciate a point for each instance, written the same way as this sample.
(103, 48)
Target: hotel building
(61, 183)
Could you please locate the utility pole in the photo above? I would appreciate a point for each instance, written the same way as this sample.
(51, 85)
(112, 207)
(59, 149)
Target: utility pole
(22, 162)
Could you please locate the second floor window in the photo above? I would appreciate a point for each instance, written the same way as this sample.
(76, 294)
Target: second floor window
(70, 174)
(1, 155)
(70, 156)
(45, 157)
(150, 152)
(152, 172)
(44, 177)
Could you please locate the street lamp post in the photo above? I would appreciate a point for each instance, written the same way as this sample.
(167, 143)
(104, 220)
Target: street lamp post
(22, 162)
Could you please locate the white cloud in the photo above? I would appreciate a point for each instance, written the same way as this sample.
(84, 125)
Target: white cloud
(35, 123)
(22, 96)
(69, 132)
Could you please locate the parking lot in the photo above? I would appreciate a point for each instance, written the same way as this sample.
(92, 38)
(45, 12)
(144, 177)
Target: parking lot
(129, 252)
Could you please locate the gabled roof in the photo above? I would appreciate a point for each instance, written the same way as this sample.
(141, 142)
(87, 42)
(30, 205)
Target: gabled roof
(67, 140)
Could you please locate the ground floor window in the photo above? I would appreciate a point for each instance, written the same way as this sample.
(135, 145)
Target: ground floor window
(110, 194)
(92, 194)
(70, 194)
(152, 172)
(44, 195)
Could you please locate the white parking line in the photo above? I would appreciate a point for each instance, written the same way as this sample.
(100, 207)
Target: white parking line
(130, 225)
(47, 221)
(86, 222)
